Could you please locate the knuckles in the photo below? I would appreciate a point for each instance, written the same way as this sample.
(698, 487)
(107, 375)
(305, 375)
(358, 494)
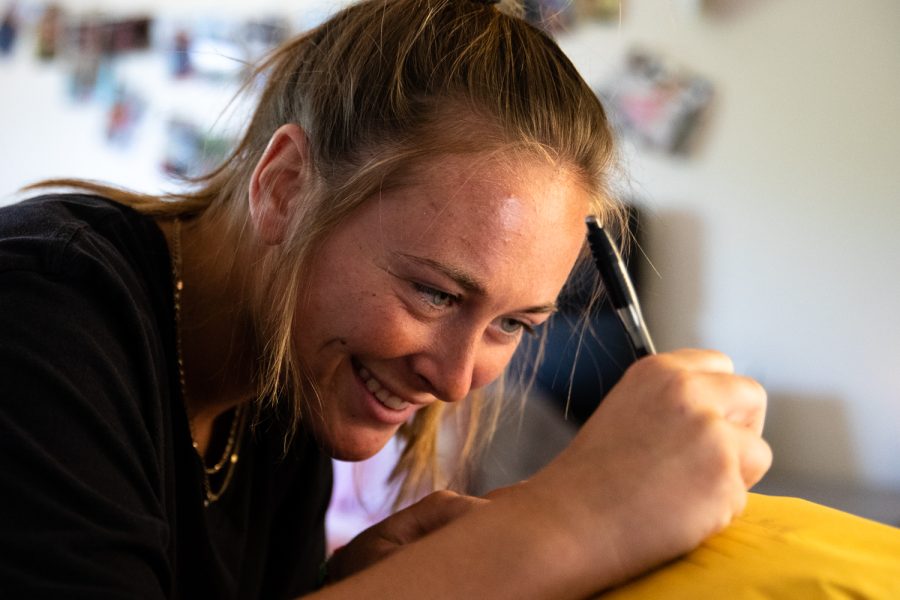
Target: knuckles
(671, 382)
(647, 366)
(718, 447)
(683, 388)
(696, 402)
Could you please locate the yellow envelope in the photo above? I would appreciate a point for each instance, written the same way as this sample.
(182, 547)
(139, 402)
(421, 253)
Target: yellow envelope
(782, 548)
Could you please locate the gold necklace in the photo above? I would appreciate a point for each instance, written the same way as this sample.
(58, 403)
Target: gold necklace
(231, 453)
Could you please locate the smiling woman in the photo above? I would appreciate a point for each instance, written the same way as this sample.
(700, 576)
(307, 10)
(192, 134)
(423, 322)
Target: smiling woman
(397, 216)
(430, 304)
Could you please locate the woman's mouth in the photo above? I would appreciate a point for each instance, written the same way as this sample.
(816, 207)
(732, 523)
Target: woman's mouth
(381, 393)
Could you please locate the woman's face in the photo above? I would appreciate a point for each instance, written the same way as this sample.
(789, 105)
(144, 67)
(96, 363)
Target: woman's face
(424, 293)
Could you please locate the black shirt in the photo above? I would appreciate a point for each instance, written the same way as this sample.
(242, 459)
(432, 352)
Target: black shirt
(101, 492)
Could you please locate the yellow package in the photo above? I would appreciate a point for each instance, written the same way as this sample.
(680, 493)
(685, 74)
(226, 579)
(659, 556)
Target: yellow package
(782, 548)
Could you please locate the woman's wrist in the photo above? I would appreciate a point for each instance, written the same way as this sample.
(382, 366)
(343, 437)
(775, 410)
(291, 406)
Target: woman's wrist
(573, 539)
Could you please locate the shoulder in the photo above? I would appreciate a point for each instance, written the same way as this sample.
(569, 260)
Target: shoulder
(64, 233)
(85, 302)
(85, 360)
(85, 309)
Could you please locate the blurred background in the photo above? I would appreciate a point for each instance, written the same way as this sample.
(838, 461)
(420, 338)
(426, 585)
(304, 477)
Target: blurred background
(760, 144)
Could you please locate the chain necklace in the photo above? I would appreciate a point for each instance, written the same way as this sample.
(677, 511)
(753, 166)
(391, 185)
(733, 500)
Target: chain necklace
(231, 453)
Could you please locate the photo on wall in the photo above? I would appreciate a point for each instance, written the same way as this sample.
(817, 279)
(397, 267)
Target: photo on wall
(655, 104)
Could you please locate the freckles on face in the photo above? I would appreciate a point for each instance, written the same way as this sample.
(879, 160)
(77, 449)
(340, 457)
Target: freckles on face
(527, 230)
(347, 301)
(418, 287)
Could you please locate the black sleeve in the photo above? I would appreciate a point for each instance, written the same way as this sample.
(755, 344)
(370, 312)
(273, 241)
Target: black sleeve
(82, 513)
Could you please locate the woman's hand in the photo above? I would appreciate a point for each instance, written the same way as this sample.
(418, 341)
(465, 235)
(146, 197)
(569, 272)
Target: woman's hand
(664, 462)
(406, 526)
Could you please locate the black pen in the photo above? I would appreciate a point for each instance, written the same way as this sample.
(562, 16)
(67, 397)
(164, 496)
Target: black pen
(619, 287)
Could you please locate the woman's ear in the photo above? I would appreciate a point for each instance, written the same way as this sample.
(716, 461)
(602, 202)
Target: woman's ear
(278, 179)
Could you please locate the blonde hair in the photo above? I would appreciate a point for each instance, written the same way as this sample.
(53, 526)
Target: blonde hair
(379, 88)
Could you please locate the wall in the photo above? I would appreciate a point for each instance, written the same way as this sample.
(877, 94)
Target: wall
(776, 242)
(44, 133)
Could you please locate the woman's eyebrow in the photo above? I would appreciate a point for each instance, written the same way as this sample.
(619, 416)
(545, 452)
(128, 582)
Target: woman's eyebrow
(466, 280)
(542, 308)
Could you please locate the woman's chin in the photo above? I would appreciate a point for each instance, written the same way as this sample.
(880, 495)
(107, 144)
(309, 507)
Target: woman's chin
(357, 447)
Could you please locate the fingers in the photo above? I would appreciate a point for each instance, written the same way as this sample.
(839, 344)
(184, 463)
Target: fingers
(708, 382)
(404, 527)
(755, 456)
(702, 383)
(746, 405)
(738, 399)
(705, 380)
(431, 513)
(693, 359)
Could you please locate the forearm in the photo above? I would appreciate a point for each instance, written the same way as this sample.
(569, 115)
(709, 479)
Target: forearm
(663, 464)
(516, 546)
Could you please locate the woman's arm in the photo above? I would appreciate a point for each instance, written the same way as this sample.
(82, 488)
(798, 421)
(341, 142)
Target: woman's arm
(81, 515)
(664, 463)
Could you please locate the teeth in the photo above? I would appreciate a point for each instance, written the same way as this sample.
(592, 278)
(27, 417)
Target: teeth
(394, 402)
(381, 393)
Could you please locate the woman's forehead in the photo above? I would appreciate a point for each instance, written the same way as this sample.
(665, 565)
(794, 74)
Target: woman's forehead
(510, 185)
(485, 214)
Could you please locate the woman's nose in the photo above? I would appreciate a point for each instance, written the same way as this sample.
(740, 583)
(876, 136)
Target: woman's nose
(458, 362)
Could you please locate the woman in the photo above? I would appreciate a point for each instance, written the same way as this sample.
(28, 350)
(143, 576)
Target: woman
(406, 204)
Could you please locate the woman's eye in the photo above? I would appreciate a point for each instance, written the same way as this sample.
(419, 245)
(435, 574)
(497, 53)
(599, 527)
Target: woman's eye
(435, 297)
(514, 326)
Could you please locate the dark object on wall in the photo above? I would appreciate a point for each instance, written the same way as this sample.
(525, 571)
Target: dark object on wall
(49, 32)
(9, 28)
(110, 37)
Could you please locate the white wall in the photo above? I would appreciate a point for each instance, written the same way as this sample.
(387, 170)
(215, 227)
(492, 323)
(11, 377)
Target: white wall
(43, 133)
(778, 242)
(775, 243)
